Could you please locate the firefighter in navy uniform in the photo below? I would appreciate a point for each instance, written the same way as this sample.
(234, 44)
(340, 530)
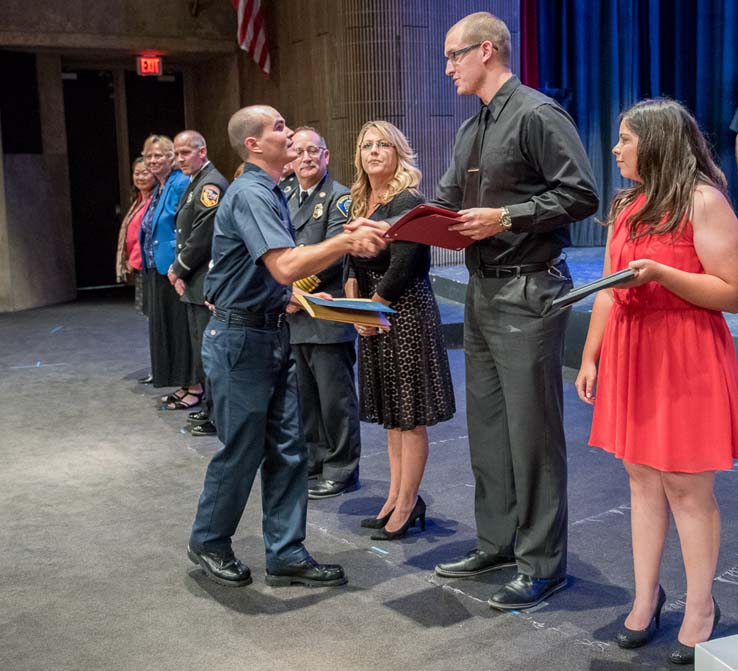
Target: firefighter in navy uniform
(247, 356)
(324, 351)
(195, 220)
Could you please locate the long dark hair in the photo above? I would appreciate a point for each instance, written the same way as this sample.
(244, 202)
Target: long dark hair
(673, 158)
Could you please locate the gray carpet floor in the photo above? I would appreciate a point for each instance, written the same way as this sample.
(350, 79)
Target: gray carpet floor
(98, 488)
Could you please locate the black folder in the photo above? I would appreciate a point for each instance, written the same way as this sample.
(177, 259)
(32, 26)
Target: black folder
(578, 293)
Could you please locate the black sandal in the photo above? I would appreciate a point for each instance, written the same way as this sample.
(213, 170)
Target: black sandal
(175, 396)
(181, 404)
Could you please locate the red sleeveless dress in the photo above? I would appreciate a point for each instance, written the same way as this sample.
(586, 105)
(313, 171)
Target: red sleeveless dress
(667, 387)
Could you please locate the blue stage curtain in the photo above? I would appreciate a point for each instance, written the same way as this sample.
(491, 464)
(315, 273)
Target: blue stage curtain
(598, 58)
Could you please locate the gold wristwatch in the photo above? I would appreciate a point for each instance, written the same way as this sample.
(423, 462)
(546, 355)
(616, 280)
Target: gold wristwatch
(505, 220)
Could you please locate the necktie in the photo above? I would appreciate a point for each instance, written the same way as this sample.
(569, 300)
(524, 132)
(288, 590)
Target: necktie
(302, 197)
(473, 171)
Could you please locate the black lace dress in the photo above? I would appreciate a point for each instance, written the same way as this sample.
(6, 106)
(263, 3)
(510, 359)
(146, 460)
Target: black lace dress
(404, 376)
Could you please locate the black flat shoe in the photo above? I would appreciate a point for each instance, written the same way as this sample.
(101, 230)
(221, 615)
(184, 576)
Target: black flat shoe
(635, 638)
(525, 591)
(198, 417)
(684, 654)
(204, 429)
(474, 563)
(376, 522)
(327, 489)
(223, 569)
(146, 380)
(417, 514)
(308, 573)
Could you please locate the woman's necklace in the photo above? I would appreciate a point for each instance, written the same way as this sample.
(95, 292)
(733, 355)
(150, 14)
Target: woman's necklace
(374, 202)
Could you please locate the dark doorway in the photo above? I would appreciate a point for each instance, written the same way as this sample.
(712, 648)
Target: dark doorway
(155, 105)
(93, 173)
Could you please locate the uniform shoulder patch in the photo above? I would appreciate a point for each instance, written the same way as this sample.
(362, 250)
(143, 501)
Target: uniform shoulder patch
(343, 204)
(210, 195)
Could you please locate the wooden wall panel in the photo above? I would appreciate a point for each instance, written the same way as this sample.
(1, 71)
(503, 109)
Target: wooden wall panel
(344, 62)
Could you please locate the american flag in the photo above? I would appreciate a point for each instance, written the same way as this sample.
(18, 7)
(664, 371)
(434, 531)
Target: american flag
(251, 32)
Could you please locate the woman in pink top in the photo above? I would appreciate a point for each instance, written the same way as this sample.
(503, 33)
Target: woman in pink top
(128, 256)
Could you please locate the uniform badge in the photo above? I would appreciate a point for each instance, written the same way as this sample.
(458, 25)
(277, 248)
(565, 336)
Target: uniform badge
(318, 211)
(344, 205)
(210, 195)
(189, 197)
(287, 189)
(322, 194)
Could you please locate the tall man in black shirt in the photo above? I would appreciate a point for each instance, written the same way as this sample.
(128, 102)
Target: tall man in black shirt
(519, 176)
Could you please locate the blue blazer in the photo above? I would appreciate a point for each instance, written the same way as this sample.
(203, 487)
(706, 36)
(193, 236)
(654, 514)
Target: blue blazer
(163, 233)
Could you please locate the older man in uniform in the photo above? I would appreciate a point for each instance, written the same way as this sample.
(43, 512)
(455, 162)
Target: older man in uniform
(195, 220)
(247, 357)
(324, 351)
(518, 177)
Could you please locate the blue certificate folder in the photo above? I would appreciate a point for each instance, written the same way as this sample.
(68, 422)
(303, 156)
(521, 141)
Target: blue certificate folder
(349, 310)
(578, 293)
(351, 304)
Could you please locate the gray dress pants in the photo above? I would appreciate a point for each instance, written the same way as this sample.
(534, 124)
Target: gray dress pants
(513, 345)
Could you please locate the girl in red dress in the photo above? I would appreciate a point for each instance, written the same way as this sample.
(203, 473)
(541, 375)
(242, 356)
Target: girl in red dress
(663, 359)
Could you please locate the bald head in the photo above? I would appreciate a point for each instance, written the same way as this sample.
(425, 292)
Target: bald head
(482, 27)
(190, 151)
(191, 138)
(248, 122)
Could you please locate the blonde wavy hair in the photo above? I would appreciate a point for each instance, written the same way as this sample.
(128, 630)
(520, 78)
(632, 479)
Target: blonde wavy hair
(165, 144)
(407, 175)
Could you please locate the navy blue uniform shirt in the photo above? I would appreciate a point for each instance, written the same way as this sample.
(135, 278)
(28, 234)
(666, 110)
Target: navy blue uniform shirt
(252, 219)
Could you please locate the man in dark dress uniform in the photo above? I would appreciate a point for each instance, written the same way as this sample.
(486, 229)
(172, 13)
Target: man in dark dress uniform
(194, 228)
(249, 364)
(324, 351)
(519, 176)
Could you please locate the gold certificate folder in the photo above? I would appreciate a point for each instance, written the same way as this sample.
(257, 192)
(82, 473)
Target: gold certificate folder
(360, 311)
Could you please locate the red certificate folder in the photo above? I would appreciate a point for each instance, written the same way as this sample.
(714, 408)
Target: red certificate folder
(429, 225)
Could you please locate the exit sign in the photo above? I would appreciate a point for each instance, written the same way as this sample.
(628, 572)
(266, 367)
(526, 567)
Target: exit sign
(149, 66)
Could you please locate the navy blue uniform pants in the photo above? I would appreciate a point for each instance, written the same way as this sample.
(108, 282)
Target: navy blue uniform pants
(256, 412)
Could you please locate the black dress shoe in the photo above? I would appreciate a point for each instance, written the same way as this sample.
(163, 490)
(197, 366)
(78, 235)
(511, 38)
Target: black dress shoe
(198, 417)
(326, 489)
(635, 638)
(146, 380)
(204, 429)
(684, 654)
(474, 563)
(308, 573)
(224, 569)
(525, 591)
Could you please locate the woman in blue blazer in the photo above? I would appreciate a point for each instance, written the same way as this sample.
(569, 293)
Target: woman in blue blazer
(169, 342)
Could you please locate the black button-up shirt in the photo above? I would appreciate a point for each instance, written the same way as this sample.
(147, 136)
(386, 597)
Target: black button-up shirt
(252, 219)
(533, 163)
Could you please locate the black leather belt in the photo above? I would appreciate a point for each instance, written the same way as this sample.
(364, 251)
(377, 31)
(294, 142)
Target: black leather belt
(516, 271)
(252, 319)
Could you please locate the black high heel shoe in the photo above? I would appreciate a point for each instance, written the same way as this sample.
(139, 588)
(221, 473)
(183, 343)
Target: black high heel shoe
(684, 654)
(376, 522)
(416, 515)
(635, 638)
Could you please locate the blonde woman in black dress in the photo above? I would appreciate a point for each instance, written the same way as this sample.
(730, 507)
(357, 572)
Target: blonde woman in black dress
(404, 378)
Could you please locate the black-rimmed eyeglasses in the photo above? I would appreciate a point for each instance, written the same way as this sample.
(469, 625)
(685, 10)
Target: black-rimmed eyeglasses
(455, 56)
